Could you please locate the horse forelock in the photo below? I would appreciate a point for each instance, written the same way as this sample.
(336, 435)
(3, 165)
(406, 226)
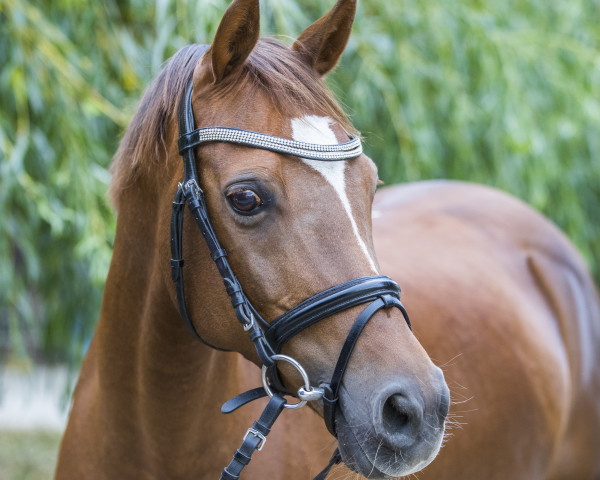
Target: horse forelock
(292, 88)
(143, 143)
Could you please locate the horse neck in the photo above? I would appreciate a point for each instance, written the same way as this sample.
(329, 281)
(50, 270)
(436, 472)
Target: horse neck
(155, 378)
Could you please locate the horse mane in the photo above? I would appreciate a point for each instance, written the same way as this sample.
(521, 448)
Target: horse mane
(293, 87)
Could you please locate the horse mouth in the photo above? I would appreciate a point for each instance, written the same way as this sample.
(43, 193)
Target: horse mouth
(366, 454)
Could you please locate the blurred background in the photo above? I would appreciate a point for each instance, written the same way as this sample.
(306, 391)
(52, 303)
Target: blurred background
(502, 93)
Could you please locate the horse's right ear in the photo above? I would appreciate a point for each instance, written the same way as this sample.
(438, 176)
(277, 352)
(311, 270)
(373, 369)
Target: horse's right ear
(236, 36)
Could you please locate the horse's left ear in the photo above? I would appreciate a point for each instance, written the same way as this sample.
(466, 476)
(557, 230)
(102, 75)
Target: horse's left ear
(322, 44)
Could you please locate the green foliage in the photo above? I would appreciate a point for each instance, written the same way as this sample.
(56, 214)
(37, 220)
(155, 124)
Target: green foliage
(28, 455)
(503, 93)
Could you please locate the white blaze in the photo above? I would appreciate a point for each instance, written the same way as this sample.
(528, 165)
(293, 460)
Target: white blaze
(314, 129)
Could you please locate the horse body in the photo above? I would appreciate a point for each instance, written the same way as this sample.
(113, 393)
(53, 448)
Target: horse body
(497, 296)
(500, 298)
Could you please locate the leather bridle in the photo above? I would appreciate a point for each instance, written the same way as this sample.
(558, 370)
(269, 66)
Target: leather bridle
(379, 292)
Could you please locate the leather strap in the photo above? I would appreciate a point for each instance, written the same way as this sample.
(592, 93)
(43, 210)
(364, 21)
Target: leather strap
(186, 124)
(242, 399)
(177, 256)
(245, 313)
(330, 399)
(254, 439)
(327, 303)
(177, 264)
(335, 459)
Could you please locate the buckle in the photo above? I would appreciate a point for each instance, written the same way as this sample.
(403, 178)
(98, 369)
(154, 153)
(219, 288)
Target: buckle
(257, 434)
(247, 327)
(193, 185)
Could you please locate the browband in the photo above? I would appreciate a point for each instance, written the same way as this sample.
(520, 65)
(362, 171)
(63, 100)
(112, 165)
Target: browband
(312, 151)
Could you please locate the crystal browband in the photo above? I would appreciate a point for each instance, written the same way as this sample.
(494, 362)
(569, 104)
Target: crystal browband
(312, 151)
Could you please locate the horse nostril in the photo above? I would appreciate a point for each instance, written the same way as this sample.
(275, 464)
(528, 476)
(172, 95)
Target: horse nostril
(400, 415)
(395, 416)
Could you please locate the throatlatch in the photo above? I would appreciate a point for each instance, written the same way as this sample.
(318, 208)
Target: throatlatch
(379, 292)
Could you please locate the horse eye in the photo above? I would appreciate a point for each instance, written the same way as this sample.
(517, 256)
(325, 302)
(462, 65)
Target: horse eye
(245, 201)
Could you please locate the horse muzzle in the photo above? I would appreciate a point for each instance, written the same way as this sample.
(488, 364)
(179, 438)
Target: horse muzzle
(398, 431)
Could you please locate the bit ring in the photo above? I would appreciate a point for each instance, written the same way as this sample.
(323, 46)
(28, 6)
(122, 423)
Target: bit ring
(297, 366)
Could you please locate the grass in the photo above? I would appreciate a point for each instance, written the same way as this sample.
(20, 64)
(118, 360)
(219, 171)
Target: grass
(28, 455)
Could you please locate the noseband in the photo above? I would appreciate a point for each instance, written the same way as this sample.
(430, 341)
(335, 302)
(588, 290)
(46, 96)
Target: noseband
(379, 292)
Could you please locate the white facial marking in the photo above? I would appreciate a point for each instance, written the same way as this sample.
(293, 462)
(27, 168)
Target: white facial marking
(314, 129)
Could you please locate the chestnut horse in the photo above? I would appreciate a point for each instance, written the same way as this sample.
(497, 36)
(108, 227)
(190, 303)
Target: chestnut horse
(497, 296)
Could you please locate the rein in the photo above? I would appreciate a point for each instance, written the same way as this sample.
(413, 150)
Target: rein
(379, 292)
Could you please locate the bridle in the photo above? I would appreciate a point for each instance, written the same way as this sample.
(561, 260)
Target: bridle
(380, 292)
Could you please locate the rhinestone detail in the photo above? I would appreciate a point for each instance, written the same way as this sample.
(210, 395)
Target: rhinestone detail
(312, 151)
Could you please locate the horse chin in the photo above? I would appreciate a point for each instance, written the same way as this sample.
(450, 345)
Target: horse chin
(362, 453)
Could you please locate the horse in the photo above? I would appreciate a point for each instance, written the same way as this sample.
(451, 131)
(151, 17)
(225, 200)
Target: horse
(497, 296)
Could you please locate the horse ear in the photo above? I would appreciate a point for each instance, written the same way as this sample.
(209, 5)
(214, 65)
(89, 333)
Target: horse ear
(236, 36)
(322, 44)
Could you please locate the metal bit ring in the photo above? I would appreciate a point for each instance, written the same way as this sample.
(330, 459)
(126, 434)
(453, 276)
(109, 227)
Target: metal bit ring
(298, 367)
